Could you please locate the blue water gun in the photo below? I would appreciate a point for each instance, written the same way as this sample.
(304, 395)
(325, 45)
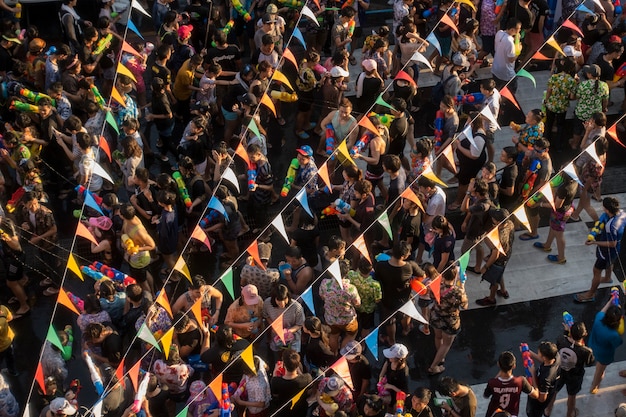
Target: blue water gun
(211, 217)
(330, 139)
(568, 320)
(471, 98)
(361, 144)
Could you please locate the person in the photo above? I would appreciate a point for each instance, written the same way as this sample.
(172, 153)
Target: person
(207, 293)
(359, 366)
(604, 340)
(591, 171)
(298, 275)
(540, 157)
(138, 260)
(370, 292)
(6, 340)
(257, 389)
(505, 390)
(419, 403)
(343, 124)
(464, 401)
(59, 407)
(507, 192)
(546, 373)
(370, 405)
(608, 246)
(9, 406)
(224, 355)
(561, 86)
(261, 276)
(318, 354)
(174, 373)
(476, 222)
(245, 314)
(395, 371)
(503, 68)
(492, 101)
(284, 387)
(281, 303)
(13, 261)
(434, 201)
(593, 97)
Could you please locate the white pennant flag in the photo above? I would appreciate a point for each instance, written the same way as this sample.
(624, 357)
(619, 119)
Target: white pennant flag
(99, 171)
(280, 226)
(335, 271)
(520, 213)
(467, 132)
(97, 409)
(486, 111)
(309, 13)
(410, 310)
(591, 150)
(546, 190)
(135, 5)
(598, 4)
(420, 58)
(230, 176)
(571, 171)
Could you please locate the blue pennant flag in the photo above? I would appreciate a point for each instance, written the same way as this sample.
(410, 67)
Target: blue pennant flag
(307, 296)
(216, 204)
(432, 39)
(298, 35)
(371, 340)
(90, 202)
(132, 27)
(303, 200)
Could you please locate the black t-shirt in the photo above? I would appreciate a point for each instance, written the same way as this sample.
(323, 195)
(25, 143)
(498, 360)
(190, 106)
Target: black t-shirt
(219, 358)
(157, 404)
(478, 218)
(193, 339)
(305, 240)
(398, 131)
(318, 354)
(566, 192)
(161, 106)
(509, 176)
(227, 58)
(443, 244)
(547, 378)
(360, 371)
(6, 61)
(523, 14)
(574, 358)
(410, 227)
(112, 348)
(161, 72)
(538, 8)
(284, 390)
(395, 282)
(606, 69)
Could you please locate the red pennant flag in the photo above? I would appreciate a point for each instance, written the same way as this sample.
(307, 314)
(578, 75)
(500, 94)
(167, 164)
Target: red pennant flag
(277, 326)
(568, 24)
(253, 250)
(540, 57)
(104, 145)
(133, 373)
(509, 96)
(401, 75)
(418, 286)
(367, 123)
(613, 132)
(359, 243)
(447, 21)
(435, 287)
(127, 48)
(200, 235)
(81, 230)
(119, 372)
(40, 378)
(288, 55)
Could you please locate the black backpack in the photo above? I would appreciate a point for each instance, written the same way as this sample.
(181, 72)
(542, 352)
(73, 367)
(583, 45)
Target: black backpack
(438, 90)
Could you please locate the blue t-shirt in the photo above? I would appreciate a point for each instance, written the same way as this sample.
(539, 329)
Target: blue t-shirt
(604, 340)
(613, 231)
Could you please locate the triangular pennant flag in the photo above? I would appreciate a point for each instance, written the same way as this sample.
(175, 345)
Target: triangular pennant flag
(383, 103)
(104, 145)
(119, 371)
(39, 377)
(72, 265)
(229, 175)
(216, 204)
(410, 310)
(288, 55)
(463, 262)
(97, 408)
(305, 11)
(181, 267)
(146, 335)
(410, 195)
(367, 123)
(449, 155)
(296, 398)
(420, 58)
(343, 151)
(227, 280)
(591, 151)
(279, 225)
(432, 39)
(613, 132)
(509, 96)
(371, 341)
(307, 296)
(469, 3)
(241, 152)
(383, 219)
(447, 21)
(111, 121)
(121, 69)
(418, 286)
(467, 132)
(553, 43)
(546, 190)
(166, 341)
(200, 235)
(185, 411)
(64, 300)
(135, 5)
(253, 250)
(99, 171)
(53, 338)
(323, 173)
(540, 57)
(82, 231)
(132, 27)
(216, 387)
(570, 25)
(267, 102)
(317, 3)
(335, 270)
(127, 48)
(523, 73)
(255, 129)
(435, 288)
(298, 35)
(401, 75)
(90, 202)
(248, 358)
(494, 238)
(599, 5)
(486, 111)
(133, 374)
(115, 95)
(279, 76)
(277, 326)
(164, 302)
(359, 243)
(582, 8)
(520, 214)
(303, 200)
(196, 309)
(571, 171)
(428, 173)
(342, 369)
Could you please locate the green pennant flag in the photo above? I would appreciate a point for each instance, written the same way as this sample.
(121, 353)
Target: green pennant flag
(183, 412)
(253, 127)
(464, 261)
(53, 338)
(523, 73)
(382, 102)
(146, 335)
(227, 279)
(383, 219)
(111, 120)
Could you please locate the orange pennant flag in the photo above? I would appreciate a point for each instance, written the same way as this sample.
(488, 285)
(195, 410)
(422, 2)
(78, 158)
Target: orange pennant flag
(119, 372)
(133, 374)
(288, 55)
(81, 230)
(267, 101)
(253, 250)
(104, 145)
(449, 155)
(323, 173)
(418, 286)
(568, 24)
(401, 75)
(164, 302)
(200, 235)
(509, 96)
(216, 387)
(277, 326)
(435, 288)
(367, 123)
(40, 378)
(343, 370)
(317, 3)
(494, 238)
(241, 152)
(447, 21)
(410, 195)
(64, 300)
(540, 57)
(613, 132)
(127, 48)
(166, 341)
(115, 95)
(196, 309)
(359, 243)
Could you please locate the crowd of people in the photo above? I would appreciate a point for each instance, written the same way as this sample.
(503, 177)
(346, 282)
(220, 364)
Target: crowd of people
(181, 163)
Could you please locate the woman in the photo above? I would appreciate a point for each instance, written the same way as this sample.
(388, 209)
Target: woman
(561, 86)
(450, 126)
(378, 146)
(256, 390)
(318, 355)
(145, 199)
(410, 42)
(112, 301)
(591, 176)
(93, 313)
(593, 97)
(280, 303)
(245, 314)
(382, 55)
(133, 159)
(604, 340)
(174, 373)
(445, 237)
(446, 316)
(368, 85)
(364, 213)
(200, 290)
(395, 372)
(188, 336)
(453, 75)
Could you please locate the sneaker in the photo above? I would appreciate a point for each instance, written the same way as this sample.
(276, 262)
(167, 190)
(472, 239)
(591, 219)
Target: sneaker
(555, 259)
(486, 302)
(303, 135)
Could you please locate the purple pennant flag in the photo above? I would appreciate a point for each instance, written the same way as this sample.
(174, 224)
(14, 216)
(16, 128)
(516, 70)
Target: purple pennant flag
(307, 296)
(371, 340)
(303, 200)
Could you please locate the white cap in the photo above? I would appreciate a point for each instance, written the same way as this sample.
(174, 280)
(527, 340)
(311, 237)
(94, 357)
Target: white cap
(339, 72)
(398, 351)
(569, 50)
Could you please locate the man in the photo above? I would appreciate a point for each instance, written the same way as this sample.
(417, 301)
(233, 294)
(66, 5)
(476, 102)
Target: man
(343, 124)
(505, 389)
(613, 51)
(540, 156)
(476, 222)
(463, 398)
(359, 366)
(546, 373)
(224, 355)
(160, 70)
(262, 191)
(183, 87)
(7, 44)
(503, 69)
(340, 36)
(533, 39)
(300, 275)
(608, 244)
(492, 100)
(266, 52)
(434, 201)
(284, 388)
(400, 131)
(139, 260)
(507, 193)
(268, 28)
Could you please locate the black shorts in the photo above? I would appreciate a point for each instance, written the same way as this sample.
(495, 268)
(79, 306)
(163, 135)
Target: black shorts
(14, 269)
(366, 320)
(603, 264)
(140, 275)
(305, 100)
(579, 127)
(494, 274)
(573, 383)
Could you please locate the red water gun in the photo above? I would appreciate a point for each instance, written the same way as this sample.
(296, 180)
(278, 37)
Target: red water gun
(252, 175)
(471, 98)
(329, 211)
(531, 177)
(400, 398)
(361, 144)
(528, 362)
(438, 129)
(81, 191)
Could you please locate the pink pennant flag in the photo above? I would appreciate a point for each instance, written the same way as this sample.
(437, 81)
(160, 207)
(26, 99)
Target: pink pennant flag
(200, 235)
(570, 25)
(509, 96)
(359, 243)
(447, 21)
(342, 369)
(127, 48)
(277, 326)
(494, 238)
(82, 231)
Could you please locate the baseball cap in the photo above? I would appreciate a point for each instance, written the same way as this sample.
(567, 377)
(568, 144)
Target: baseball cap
(334, 383)
(569, 50)
(184, 31)
(338, 72)
(615, 39)
(271, 9)
(10, 37)
(466, 44)
(250, 295)
(369, 64)
(620, 411)
(305, 151)
(265, 251)
(62, 406)
(460, 60)
(268, 18)
(398, 351)
(351, 350)
(248, 99)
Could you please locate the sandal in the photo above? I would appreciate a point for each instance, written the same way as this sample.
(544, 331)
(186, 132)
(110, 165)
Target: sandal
(20, 315)
(528, 236)
(579, 300)
(503, 294)
(436, 370)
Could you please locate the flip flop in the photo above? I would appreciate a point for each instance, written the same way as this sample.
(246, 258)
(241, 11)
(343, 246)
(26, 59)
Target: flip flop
(622, 373)
(20, 315)
(579, 300)
(526, 236)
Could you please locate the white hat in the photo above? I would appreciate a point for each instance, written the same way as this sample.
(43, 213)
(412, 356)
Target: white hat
(460, 60)
(620, 411)
(339, 72)
(62, 406)
(398, 351)
(569, 50)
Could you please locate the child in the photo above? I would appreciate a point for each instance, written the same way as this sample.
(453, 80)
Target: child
(395, 373)
(528, 133)
(370, 292)
(53, 74)
(420, 157)
(425, 301)
(63, 106)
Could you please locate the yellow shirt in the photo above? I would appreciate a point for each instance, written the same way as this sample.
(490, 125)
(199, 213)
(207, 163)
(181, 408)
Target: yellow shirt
(184, 79)
(6, 333)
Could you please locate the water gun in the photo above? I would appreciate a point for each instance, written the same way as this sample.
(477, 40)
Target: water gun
(348, 3)
(617, 4)
(118, 156)
(78, 303)
(531, 177)
(380, 387)
(351, 24)
(615, 296)
(81, 190)
(141, 393)
(97, 96)
(291, 176)
(499, 4)
(75, 387)
(515, 127)
(471, 98)
(18, 14)
(21, 106)
(129, 245)
(528, 362)
(439, 118)
(344, 208)
(93, 373)
(92, 273)
(329, 211)
(554, 183)
(429, 12)
(361, 144)
(113, 273)
(453, 11)
(225, 409)
(239, 8)
(385, 119)
(15, 198)
(103, 43)
(330, 139)
(226, 29)
(211, 217)
(621, 71)
(182, 189)
(241, 388)
(284, 96)
(252, 174)
(518, 44)
(32, 96)
(294, 4)
(568, 320)
(598, 227)
(400, 398)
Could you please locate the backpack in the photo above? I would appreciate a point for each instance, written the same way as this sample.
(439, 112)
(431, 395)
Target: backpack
(438, 90)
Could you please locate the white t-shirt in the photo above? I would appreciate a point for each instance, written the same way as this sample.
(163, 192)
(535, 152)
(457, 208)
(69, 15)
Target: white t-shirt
(86, 167)
(505, 49)
(437, 203)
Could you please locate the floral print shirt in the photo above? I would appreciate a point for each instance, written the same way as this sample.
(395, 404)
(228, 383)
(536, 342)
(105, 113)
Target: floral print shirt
(487, 17)
(339, 302)
(528, 134)
(561, 85)
(590, 99)
(369, 290)
(446, 315)
(174, 376)
(304, 174)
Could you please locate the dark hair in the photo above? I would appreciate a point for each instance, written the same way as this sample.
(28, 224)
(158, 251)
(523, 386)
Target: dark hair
(162, 51)
(73, 123)
(612, 316)
(335, 242)
(506, 361)
(512, 23)
(448, 385)
(92, 304)
(578, 330)
(293, 252)
(93, 331)
(347, 12)
(224, 336)
(423, 394)
(399, 104)
(166, 197)
(134, 292)
(424, 146)
(291, 360)
(363, 187)
(127, 211)
(440, 222)
(538, 114)
(450, 272)
(197, 282)
(280, 293)
(142, 174)
(448, 101)
(422, 181)
(401, 249)
(364, 265)
(611, 204)
(392, 163)
(353, 172)
(267, 39)
(107, 289)
(542, 143)
(599, 118)
(181, 320)
(549, 350)
(602, 145)
(510, 151)
(480, 187)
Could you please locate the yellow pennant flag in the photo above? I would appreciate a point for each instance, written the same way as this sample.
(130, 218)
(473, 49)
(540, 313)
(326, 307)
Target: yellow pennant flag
(73, 266)
(115, 95)
(196, 309)
(468, 2)
(553, 43)
(449, 155)
(166, 341)
(428, 173)
(279, 76)
(343, 151)
(494, 237)
(164, 302)
(296, 398)
(248, 357)
(267, 101)
(216, 387)
(277, 326)
(181, 267)
(121, 69)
